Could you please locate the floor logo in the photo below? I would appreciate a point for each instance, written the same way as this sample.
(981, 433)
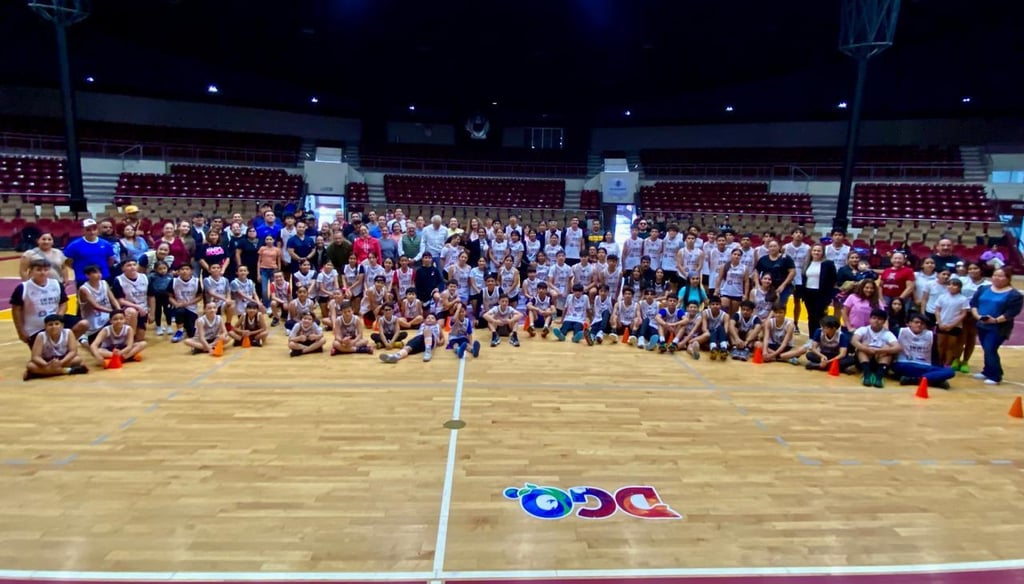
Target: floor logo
(590, 502)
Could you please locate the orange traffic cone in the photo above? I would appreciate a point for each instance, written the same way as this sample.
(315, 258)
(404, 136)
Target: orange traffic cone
(218, 349)
(625, 337)
(246, 343)
(758, 356)
(376, 325)
(922, 388)
(1016, 411)
(114, 362)
(448, 325)
(833, 369)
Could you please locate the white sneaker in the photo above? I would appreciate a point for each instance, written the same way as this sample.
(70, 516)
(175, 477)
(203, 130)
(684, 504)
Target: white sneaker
(641, 343)
(991, 382)
(159, 331)
(427, 355)
(613, 338)
(979, 376)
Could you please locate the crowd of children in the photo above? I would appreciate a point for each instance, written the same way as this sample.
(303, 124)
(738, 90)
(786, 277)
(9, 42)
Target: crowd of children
(676, 292)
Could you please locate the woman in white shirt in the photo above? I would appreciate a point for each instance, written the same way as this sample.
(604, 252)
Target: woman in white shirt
(819, 276)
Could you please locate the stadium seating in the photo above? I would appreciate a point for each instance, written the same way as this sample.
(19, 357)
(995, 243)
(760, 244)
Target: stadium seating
(357, 193)
(751, 198)
(35, 179)
(212, 182)
(939, 162)
(590, 200)
(451, 159)
(930, 202)
(491, 192)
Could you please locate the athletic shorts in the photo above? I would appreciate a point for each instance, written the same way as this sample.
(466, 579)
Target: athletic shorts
(69, 321)
(416, 345)
(733, 298)
(799, 291)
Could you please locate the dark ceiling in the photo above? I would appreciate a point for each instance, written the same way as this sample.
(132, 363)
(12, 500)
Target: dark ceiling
(575, 61)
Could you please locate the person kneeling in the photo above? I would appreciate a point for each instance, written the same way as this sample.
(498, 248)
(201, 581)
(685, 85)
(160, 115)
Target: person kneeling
(875, 345)
(915, 358)
(54, 351)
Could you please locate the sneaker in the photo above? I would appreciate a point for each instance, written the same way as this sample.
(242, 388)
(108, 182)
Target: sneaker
(495, 340)
(867, 380)
(460, 350)
(236, 343)
(878, 381)
(714, 353)
(941, 385)
(293, 353)
(577, 337)
(275, 321)
(956, 365)
(695, 352)
(794, 360)
(965, 368)
(631, 341)
(599, 338)
(365, 350)
(745, 355)
(84, 340)
(559, 334)
(590, 340)
(991, 382)
(159, 331)
(476, 349)
(334, 351)
(378, 344)
(78, 370)
(663, 347)
(397, 345)
(796, 330)
(388, 358)
(979, 376)
(196, 351)
(908, 381)
(257, 343)
(651, 344)
(544, 333)
(641, 342)
(530, 331)
(178, 336)
(428, 355)
(513, 339)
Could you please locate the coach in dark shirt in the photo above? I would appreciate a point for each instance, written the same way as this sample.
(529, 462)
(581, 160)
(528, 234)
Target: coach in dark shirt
(780, 267)
(944, 257)
(427, 279)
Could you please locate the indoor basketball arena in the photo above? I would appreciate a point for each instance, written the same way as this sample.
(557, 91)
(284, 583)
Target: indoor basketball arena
(529, 292)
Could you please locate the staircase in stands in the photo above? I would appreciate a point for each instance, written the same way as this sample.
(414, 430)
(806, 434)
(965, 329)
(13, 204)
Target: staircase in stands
(975, 163)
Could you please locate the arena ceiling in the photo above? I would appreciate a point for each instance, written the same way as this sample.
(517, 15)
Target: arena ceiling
(539, 61)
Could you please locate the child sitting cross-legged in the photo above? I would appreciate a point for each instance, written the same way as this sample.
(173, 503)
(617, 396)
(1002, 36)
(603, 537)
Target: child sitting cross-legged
(252, 323)
(306, 336)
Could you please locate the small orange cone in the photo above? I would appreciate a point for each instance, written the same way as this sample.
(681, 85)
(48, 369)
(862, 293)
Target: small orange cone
(218, 349)
(114, 362)
(376, 325)
(758, 356)
(1016, 411)
(246, 343)
(448, 325)
(833, 369)
(922, 388)
(625, 337)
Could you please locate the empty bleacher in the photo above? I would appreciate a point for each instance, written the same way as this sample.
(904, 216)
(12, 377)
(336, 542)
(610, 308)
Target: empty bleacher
(490, 192)
(33, 179)
(424, 158)
(210, 182)
(732, 198)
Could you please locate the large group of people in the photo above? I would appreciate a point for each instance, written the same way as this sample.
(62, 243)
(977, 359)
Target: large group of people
(406, 286)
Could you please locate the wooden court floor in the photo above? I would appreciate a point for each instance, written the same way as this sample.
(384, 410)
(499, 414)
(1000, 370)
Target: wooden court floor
(257, 462)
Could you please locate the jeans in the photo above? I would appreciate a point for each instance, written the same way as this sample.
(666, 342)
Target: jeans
(991, 340)
(933, 373)
(572, 327)
(266, 276)
(602, 324)
(718, 336)
(647, 329)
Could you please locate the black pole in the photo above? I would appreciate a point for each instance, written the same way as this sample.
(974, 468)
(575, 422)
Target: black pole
(841, 220)
(67, 95)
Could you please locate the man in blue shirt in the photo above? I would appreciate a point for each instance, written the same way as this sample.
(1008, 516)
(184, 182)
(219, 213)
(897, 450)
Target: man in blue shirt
(270, 227)
(89, 250)
(300, 246)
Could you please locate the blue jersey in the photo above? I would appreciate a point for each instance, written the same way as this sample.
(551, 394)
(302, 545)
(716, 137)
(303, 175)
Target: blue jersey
(84, 254)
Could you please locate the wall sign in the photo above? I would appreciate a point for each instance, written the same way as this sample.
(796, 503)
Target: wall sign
(541, 502)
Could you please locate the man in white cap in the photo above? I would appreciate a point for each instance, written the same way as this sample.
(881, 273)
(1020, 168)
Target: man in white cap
(89, 250)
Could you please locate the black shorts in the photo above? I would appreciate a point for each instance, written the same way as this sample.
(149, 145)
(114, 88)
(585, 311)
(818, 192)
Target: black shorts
(570, 261)
(799, 291)
(323, 299)
(140, 323)
(478, 298)
(733, 298)
(69, 321)
(416, 345)
(672, 276)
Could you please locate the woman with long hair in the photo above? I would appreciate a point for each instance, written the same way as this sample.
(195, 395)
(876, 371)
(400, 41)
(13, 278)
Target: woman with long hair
(819, 286)
(995, 307)
(972, 279)
(133, 246)
(859, 304)
(44, 250)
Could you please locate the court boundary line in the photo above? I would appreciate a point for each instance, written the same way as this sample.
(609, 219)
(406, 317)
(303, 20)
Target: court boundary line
(441, 542)
(455, 575)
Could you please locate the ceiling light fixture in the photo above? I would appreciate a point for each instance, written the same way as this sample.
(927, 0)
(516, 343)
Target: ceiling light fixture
(841, 105)
(728, 108)
(314, 100)
(211, 88)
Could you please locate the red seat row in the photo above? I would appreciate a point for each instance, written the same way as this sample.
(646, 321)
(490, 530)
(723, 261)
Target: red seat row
(936, 202)
(498, 192)
(217, 182)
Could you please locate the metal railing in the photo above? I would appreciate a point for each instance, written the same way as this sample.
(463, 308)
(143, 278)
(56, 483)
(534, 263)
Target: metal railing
(807, 171)
(36, 144)
(472, 167)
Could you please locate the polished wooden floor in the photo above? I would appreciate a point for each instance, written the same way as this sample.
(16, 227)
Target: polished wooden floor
(260, 462)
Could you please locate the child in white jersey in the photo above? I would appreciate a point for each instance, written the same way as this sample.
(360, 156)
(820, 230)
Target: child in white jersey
(914, 361)
(744, 331)
(540, 312)
(306, 337)
(648, 329)
(876, 346)
(713, 332)
(460, 338)
(185, 296)
(689, 330)
(54, 351)
(503, 320)
(430, 336)
(327, 284)
(210, 330)
(299, 305)
(778, 334)
(216, 290)
(348, 332)
(950, 311)
(306, 276)
(388, 335)
(411, 311)
(252, 323)
(625, 319)
(117, 337)
(602, 307)
(669, 322)
(577, 308)
(97, 302)
(373, 300)
(280, 296)
(243, 290)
